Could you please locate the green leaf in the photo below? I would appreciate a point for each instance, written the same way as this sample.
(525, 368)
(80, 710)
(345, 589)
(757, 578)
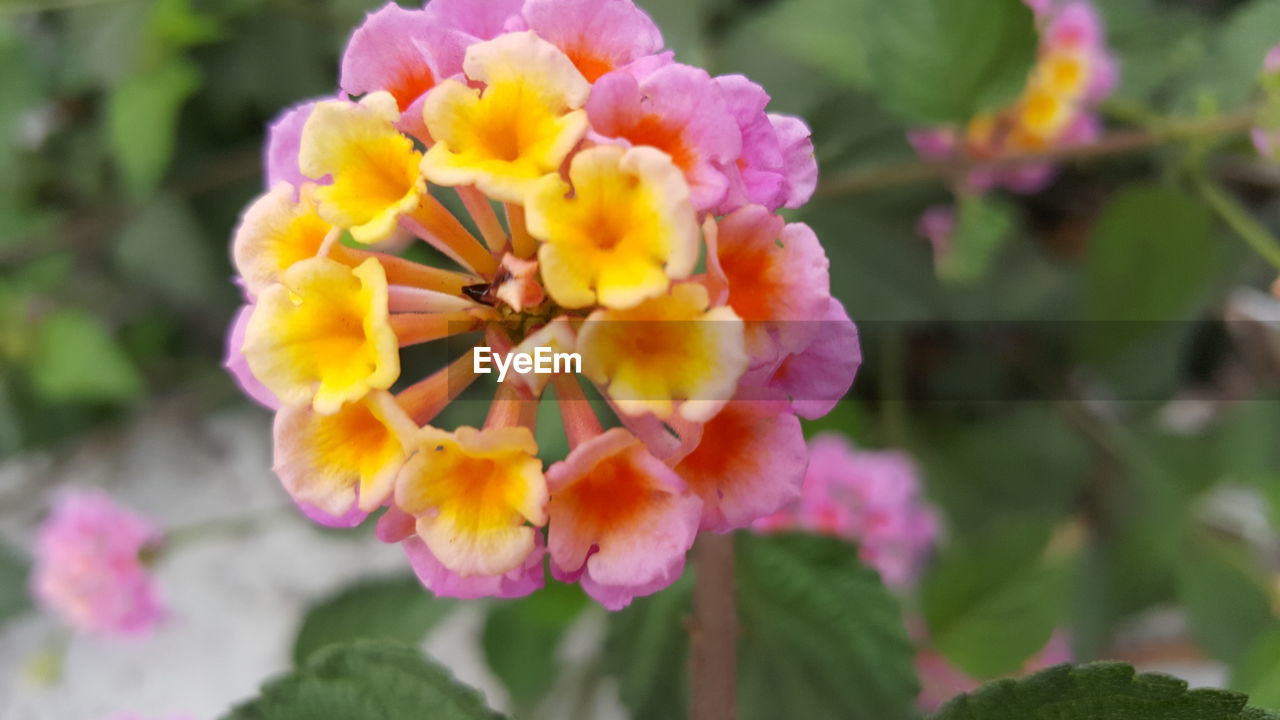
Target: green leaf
(1099, 691)
(1258, 673)
(521, 638)
(1228, 73)
(802, 652)
(76, 359)
(163, 248)
(362, 680)
(993, 602)
(825, 34)
(1226, 596)
(13, 584)
(1150, 258)
(983, 225)
(942, 61)
(391, 608)
(821, 636)
(142, 121)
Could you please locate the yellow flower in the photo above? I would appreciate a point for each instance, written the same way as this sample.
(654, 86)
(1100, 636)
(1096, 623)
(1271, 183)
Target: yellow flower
(667, 349)
(322, 336)
(374, 167)
(1063, 73)
(627, 230)
(331, 460)
(472, 492)
(518, 129)
(275, 233)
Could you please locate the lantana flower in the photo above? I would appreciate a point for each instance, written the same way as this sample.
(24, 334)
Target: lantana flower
(871, 497)
(596, 172)
(90, 566)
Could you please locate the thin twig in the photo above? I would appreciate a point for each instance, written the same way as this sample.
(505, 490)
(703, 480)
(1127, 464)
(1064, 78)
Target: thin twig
(1114, 143)
(1240, 220)
(713, 636)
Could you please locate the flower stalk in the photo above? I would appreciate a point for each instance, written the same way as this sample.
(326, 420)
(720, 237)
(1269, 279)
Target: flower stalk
(713, 635)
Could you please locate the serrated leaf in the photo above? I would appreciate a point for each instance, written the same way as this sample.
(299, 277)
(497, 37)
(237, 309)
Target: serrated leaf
(801, 651)
(76, 359)
(993, 602)
(942, 61)
(983, 225)
(362, 680)
(391, 608)
(1099, 691)
(521, 638)
(1150, 259)
(142, 121)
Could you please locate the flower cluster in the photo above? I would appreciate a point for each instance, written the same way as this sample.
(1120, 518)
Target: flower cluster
(1266, 138)
(870, 497)
(598, 175)
(89, 567)
(1072, 74)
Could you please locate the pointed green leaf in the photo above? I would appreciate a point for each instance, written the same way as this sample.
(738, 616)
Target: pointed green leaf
(391, 608)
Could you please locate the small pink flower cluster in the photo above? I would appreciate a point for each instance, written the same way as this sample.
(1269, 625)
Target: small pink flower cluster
(89, 568)
(1073, 73)
(1267, 139)
(869, 497)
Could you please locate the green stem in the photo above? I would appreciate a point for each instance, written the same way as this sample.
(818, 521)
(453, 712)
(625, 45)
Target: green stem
(893, 388)
(1239, 219)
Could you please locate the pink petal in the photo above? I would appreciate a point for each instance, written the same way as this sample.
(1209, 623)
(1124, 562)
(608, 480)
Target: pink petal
(387, 53)
(799, 165)
(462, 23)
(236, 364)
(444, 582)
(598, 35)
(349, 519)
(934, 143)
(284, 135)
(817, 378)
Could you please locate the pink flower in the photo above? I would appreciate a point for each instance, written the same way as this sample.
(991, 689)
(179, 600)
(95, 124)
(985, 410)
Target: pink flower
(678, 110)
(599, 36)
(236, 364)
(621, 521)
(777, 167)
(870, 497)
(88, 566)
(389, 52)
(940, 681)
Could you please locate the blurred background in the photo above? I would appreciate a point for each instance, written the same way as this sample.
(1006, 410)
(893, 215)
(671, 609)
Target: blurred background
(1087, 383)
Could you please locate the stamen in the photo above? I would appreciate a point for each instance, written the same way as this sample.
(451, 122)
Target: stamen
(425, 399)
(486, 219)
(447, 234)
(418, 328)
(522, 243)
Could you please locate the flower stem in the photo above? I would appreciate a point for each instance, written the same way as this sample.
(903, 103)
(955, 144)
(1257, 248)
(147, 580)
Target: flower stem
(522, 243)
(713, 635)
(1238, 218)
(1114, 143)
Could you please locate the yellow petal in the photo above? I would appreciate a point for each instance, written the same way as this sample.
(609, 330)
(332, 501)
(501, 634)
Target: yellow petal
(275, 233)
(628, 229)
(321, 336)
(520, 127)
(374, 167)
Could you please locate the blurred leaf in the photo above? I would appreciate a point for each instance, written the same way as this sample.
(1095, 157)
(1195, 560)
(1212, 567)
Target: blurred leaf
(521, 638)
(163, 248)
(647, 652)
(983, 225)
(803, 652)
(827, 34)
(1100, 691)
(682, 23)
(77, 360)
(993, 602)
(142, 119)
(1228, 73)
(942, 61)
(392, 609)
(13, 584)
(1150, 258)
(821, 636)
(1226, 596)
(1258, 674)
(366, 679)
